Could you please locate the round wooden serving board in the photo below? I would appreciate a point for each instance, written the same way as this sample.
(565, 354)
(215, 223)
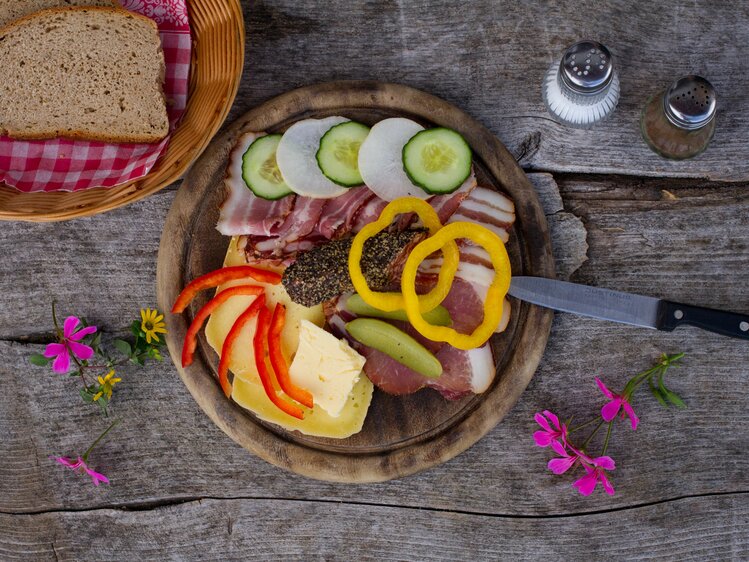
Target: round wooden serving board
(402, 434)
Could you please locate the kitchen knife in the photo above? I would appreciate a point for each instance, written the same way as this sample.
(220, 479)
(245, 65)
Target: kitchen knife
(626, 308)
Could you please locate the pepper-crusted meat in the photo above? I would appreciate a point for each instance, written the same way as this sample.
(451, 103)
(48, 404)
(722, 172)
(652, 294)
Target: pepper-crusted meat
(322, 273)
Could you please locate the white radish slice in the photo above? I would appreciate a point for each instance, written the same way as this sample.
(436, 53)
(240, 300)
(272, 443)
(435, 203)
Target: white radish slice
(296, 159)
(381, 159)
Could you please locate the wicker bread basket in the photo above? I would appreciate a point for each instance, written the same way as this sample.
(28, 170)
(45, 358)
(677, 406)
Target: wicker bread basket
(217, 59)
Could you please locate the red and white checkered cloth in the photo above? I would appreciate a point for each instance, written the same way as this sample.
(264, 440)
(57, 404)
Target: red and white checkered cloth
(68, 165)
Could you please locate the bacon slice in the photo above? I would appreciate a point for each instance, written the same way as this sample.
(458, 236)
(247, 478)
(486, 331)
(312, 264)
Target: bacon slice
(496, 212)
(368, 212)
(488, 208)
(447, 205)
(242, 212)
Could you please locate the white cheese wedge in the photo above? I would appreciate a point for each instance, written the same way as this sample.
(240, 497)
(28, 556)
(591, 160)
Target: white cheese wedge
(325, 366)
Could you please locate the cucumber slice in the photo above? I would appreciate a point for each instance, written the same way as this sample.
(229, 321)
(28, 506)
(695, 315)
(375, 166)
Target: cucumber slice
(260, 170)
(338, 155)
(437, 160)
(388, 339)
(438, 316)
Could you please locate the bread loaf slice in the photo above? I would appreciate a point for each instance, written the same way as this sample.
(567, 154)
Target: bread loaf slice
(86, 73)
(13, 9)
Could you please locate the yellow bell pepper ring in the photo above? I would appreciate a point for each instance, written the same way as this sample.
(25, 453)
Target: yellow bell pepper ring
(390, 302)
(494, 296)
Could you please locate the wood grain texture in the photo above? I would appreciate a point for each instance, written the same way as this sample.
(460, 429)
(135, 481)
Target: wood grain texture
(568, 236)
(168, 450)
(259, 529)
(401, 435)
(489, 58)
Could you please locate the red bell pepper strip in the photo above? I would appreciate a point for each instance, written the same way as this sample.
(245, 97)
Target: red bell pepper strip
(219, 277)
(279, 363)
(231, 339)
(260, 343)
(191, 338)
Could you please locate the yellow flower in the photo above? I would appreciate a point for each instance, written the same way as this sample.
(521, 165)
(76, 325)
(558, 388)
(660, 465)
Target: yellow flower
(106, 384)
(152, 323)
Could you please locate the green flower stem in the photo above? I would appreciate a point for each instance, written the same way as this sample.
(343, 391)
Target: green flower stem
(650, 375)
(638, 379)
(98, 439)
(112, 366)
(54, 319)
(582, 425)
(585, 443)
(80, 369)
(661, 368)
(608, 436)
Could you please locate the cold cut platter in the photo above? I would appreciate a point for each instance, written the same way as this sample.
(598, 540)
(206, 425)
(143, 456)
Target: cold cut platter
(336, 265)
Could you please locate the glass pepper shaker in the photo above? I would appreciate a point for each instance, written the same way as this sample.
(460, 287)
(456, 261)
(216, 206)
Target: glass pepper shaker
(582, 88)
(678, 123)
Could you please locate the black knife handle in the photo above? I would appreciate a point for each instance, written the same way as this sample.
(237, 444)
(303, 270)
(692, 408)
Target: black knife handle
(673, 314)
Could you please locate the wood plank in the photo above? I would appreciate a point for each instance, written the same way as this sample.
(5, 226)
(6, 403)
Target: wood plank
(490, 61)
(568, 234)
(707, 528)
(101, 267)
(166, 448)
(686, 241)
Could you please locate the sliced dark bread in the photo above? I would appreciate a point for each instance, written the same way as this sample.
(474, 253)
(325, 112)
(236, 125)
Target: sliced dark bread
(11, 10)
(88, 73)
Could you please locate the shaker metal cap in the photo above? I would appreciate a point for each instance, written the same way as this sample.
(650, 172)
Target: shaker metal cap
(586, 67)
(690, 102)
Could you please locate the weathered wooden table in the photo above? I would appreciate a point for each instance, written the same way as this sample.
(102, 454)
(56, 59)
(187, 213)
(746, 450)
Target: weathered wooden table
(182, 490)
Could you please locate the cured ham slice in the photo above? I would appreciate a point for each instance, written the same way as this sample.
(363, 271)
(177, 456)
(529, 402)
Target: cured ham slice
(463, 372)
(299, 223)
(242, 212)
(338, 215)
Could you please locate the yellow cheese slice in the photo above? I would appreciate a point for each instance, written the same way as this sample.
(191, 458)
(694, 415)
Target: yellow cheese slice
(316, 421)
(248, 390)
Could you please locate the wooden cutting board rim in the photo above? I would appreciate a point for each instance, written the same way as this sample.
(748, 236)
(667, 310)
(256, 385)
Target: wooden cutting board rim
(535, 323)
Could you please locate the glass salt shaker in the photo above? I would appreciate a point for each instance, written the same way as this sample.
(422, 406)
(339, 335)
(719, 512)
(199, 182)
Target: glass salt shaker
(678, 123)
(583, 88)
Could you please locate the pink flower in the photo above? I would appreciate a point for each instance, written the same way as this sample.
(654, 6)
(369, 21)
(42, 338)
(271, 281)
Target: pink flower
(549, 435)
(569, 457)
(618, 402)
(596, 473)
(70, 343)
(81, 466)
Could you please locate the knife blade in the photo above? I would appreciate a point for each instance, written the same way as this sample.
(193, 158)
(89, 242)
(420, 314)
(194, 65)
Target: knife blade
(626, 308)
